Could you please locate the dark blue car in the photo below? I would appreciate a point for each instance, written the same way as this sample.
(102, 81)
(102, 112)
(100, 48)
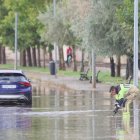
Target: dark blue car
(15, 87)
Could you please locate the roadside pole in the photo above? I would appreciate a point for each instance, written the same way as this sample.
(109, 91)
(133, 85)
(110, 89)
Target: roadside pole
(55, 46)
(16, 24)
(93, 69)
(136, 43)
(135, 69)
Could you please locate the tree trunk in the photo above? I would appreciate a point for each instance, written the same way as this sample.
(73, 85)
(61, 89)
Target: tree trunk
(50, 56)
(50, 49)
(118, 66)
(74, 59)
(29, 58)
(34, 56)
(4, 55)
(139, 61)
(61, 59)
(129, 67)
(112, 67)
(0, 54)
(38, 52)
(23, 58)
(44, 58)
(82, 61)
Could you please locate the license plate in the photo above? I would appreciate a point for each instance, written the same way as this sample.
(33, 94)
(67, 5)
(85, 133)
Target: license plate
(8, 86)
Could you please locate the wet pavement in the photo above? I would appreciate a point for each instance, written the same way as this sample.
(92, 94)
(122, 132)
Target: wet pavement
(65, 83)
(67, 115)
(65, 108)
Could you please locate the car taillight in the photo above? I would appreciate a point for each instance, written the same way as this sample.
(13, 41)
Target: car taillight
(26, 84)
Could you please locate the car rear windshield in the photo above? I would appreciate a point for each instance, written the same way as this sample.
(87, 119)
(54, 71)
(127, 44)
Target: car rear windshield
(12, 77)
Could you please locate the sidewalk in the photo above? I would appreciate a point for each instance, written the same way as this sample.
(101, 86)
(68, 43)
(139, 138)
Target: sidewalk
(69, 83)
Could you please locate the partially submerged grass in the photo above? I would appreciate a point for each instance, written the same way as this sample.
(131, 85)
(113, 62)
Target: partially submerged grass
(104, 76)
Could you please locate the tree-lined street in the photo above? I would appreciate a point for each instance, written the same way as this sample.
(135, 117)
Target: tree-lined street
(65, 107)
(105, 27)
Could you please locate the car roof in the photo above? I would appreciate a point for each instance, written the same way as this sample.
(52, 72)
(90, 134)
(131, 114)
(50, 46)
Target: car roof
(12, 71)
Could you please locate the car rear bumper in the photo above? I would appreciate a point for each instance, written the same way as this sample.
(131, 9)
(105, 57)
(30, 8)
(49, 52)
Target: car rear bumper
(18, 98)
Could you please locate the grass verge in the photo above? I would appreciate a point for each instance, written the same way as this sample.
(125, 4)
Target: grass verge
(104, 76)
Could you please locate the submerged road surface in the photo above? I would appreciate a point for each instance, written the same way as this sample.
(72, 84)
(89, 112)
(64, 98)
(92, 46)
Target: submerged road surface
(55, 115)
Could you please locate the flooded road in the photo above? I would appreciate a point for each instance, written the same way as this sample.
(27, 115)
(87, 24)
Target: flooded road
(57, 115)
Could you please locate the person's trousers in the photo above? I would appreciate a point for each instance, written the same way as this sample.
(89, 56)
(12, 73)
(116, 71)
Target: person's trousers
(132, 93)
(130, 96)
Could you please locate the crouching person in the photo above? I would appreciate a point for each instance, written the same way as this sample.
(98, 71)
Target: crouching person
(124, 95)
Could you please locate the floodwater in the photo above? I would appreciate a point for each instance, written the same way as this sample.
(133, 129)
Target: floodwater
(55, 115)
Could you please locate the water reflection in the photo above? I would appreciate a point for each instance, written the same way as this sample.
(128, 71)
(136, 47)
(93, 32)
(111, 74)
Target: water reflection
(82, 115)
(136, 118)
(9, 119)
(11, 124)
(66, 115)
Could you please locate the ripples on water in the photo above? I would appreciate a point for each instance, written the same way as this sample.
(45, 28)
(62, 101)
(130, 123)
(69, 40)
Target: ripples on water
(57, 115)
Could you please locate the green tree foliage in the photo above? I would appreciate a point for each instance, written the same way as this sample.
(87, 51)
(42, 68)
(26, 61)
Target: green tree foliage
(5, 28)
(78, 11)
(102, 31)
(125, 16)
(58, 28)
(28, 25)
